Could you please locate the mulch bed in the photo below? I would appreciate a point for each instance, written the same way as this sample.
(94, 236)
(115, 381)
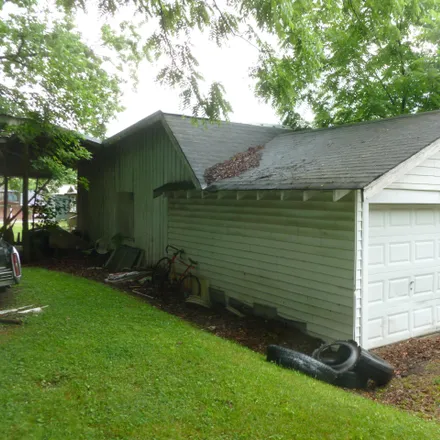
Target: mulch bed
(416, 386)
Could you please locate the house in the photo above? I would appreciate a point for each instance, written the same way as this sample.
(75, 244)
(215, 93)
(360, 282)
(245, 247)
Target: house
(336, 230)
(64, 201)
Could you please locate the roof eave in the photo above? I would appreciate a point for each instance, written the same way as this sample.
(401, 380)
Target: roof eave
(392, 175)
(143, 123)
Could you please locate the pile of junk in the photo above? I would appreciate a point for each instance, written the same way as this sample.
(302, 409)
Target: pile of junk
(340, 363)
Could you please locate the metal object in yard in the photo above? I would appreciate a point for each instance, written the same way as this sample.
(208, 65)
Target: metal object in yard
(124, 257)
(10, 265)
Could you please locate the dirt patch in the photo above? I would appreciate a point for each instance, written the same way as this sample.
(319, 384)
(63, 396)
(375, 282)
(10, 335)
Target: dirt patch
(411, 356)
(416, 385)
(7, 298)
(234, 166)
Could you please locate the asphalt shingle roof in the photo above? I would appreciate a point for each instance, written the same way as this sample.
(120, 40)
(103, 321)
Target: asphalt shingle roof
(207, 144)
(346, 157)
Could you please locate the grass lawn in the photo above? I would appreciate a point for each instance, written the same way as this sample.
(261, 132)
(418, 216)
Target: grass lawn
(98, 364)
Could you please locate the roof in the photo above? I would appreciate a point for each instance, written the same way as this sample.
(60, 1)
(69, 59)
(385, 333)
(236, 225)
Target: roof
(205, 144)
(345, 157)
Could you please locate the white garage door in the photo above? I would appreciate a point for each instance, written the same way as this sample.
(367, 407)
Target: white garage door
(404, 272)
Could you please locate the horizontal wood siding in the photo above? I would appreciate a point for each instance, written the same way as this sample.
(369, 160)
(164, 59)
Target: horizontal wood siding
(138, 164)
(293, 255)
(423, 177)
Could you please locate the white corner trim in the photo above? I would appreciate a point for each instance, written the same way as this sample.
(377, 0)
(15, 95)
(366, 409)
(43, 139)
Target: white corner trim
(394, 174)
(364, 268)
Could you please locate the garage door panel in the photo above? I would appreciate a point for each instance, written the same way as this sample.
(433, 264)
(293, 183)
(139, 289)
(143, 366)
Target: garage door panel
(400, 233)
(403, 296)
(423, 318)
(424, 285)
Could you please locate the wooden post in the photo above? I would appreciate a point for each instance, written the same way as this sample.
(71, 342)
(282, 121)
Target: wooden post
(25, 211)
(5, 201)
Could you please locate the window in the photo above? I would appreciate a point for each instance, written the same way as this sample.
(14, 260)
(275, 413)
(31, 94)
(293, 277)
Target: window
(125, 214)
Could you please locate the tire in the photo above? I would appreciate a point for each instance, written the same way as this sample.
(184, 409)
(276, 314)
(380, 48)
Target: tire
(351, 379)
(371, 366)
(161, 272)
(345, 358)
(194, 282)
(301, 362)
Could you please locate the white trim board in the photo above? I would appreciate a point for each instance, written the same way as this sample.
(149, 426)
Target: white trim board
(364, 269)
(399, 196)
(400, 170)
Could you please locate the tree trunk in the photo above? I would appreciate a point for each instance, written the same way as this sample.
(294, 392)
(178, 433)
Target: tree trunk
(25, 238)
(5, 201)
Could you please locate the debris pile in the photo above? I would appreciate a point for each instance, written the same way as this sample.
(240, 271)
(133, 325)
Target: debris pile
(234, 166)
(123, 277)
(12, 316)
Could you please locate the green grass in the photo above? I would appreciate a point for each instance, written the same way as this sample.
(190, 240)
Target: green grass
(98, 364)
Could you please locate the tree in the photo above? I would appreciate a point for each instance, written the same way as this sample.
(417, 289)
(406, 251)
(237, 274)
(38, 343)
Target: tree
(348, 60)
(352, 60)
(53, 87)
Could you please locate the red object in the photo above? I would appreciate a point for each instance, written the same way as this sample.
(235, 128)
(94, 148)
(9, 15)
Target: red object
(16, 264)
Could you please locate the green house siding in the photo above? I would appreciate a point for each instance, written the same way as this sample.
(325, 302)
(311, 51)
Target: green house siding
(138, 164)
(294, 256)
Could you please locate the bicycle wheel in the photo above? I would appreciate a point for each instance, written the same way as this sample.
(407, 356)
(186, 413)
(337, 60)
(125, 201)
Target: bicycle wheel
(161, 272)
(190, 285)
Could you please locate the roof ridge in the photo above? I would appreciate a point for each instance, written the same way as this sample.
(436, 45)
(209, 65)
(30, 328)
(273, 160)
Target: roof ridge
(260, 125)
(352, 124)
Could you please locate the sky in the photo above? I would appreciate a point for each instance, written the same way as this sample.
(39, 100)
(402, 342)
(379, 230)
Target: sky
(229, 65)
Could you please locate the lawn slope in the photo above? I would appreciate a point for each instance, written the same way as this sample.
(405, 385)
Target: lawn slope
(99, 364)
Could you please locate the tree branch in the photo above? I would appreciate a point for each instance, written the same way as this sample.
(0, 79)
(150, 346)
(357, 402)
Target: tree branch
(232, 30)
(392, 100)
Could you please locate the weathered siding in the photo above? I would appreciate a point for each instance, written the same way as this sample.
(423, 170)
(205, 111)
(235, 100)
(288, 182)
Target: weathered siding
(423, 177)
(138, 164)
(293, 255)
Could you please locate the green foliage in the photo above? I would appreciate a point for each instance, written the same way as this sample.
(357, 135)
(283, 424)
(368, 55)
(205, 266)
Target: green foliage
(348, 60)
(47, 208)
(173, 24)
(53, 83)
(352, 60)
(100, 364)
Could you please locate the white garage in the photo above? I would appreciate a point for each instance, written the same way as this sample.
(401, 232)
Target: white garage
(403, 272)
(335, 230)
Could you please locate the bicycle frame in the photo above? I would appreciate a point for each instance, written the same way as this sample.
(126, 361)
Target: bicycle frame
(177, 254)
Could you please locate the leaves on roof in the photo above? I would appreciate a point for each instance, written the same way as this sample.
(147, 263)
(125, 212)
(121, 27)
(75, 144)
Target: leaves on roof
(236, 165)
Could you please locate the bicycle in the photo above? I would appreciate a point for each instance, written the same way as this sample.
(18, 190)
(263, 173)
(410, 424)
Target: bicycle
(165, 270)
